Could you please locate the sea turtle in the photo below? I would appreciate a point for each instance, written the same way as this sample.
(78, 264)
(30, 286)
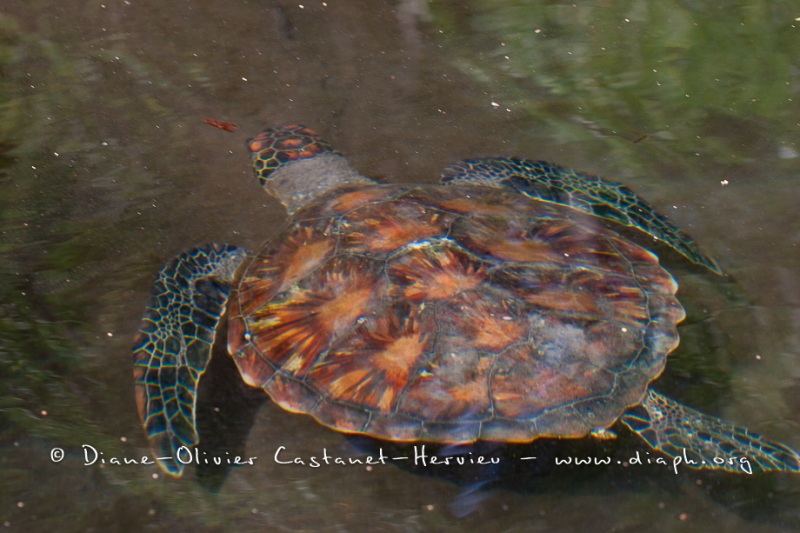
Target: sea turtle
(497, 305)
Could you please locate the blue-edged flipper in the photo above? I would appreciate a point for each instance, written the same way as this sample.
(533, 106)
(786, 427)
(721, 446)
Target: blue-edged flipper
(174, 345)
(702, 441)
(588, 194)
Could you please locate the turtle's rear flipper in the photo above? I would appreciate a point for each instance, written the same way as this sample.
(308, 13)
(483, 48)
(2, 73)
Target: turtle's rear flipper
(702, 441)
(586, 193)
(174, 344)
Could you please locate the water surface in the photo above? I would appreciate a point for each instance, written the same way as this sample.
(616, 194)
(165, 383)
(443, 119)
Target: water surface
(108, 171)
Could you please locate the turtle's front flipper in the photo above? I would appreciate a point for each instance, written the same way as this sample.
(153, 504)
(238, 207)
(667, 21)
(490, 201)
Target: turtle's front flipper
(174, 344)
(702, 441)
(586, 193)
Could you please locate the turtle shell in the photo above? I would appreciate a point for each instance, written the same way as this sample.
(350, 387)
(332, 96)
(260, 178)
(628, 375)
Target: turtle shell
(451, 314)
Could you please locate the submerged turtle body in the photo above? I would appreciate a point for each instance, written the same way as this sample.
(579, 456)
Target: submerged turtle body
(451, 314)
(497, 305)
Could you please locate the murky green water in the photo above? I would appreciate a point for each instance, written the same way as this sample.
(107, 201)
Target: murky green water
(107, 170)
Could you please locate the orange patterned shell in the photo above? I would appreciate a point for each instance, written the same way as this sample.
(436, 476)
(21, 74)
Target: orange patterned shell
(450, 314)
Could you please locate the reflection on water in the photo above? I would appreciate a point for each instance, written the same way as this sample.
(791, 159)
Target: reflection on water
(629, 72)
(108, 170)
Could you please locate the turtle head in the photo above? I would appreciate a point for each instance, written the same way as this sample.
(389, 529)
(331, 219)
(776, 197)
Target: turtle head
(295, 165)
